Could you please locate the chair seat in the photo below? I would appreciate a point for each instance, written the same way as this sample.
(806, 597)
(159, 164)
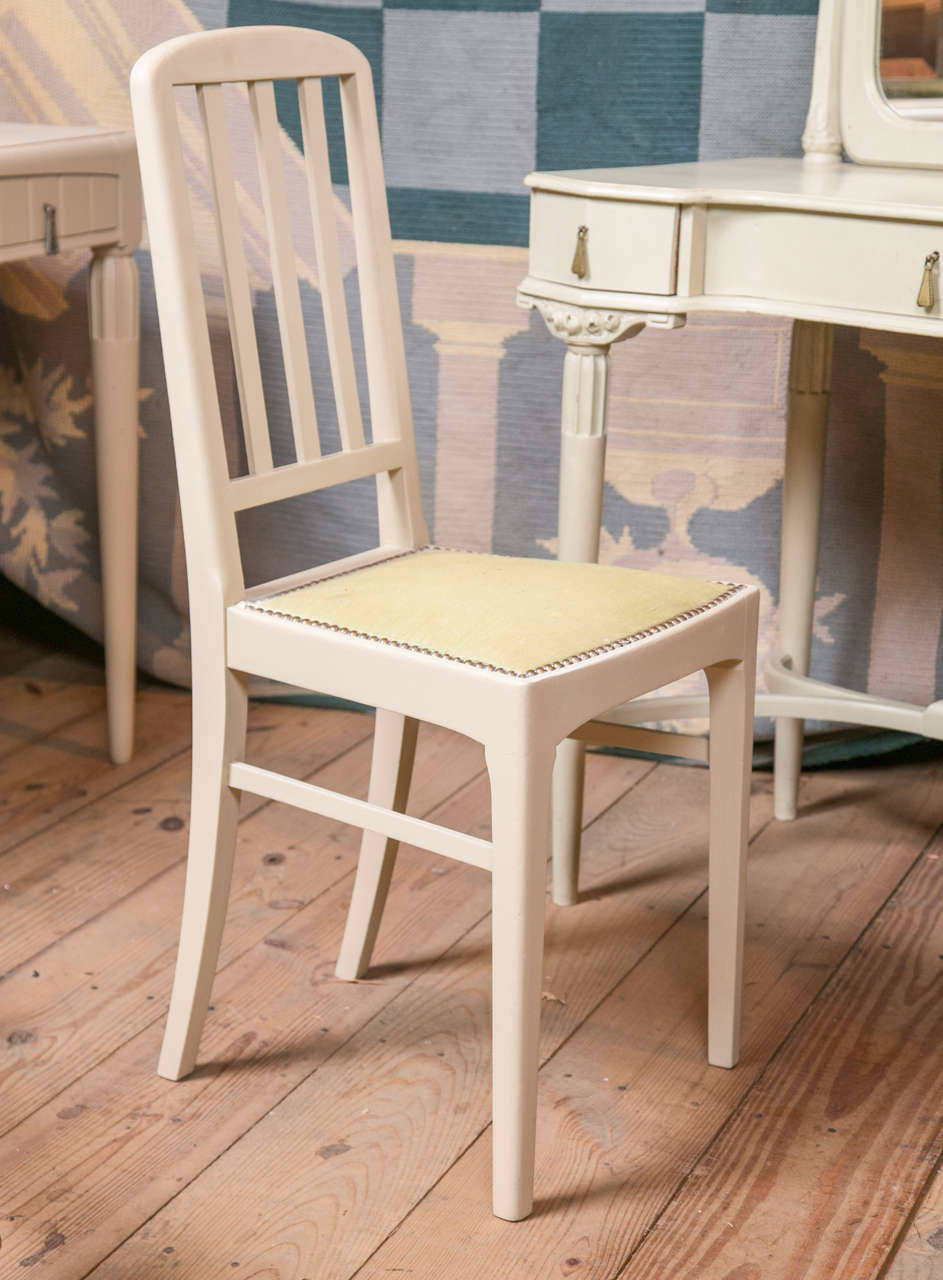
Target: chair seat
(516, 616)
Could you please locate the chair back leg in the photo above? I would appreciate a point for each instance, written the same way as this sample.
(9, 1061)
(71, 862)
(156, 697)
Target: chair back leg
(521, 826)
(394, 750)
(567, 820)
(731, 687)
(219, 737)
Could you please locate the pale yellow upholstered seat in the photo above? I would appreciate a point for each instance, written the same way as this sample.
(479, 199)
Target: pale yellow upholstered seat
(518, 616)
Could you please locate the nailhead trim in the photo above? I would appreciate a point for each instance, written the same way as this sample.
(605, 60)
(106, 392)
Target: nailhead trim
(622, 643)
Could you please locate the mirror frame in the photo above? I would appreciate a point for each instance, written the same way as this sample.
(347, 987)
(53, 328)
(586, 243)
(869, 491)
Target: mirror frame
(872, 131)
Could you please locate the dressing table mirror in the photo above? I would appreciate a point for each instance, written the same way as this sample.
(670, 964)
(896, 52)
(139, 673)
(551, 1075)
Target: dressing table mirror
(910, 57)
(851, 234)
(892, 83)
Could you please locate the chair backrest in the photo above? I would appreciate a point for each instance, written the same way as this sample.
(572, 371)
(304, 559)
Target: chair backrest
(257, 57)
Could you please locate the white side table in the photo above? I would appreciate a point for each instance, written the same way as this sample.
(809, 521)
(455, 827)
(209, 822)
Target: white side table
(78, 188)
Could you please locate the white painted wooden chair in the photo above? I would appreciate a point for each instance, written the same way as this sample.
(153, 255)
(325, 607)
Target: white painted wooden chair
(517, 654)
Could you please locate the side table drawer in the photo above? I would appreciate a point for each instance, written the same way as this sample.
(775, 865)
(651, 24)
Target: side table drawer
(84, 203)
(629, 247)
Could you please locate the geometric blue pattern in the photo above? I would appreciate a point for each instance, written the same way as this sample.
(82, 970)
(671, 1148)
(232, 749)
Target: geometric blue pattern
(473, 94)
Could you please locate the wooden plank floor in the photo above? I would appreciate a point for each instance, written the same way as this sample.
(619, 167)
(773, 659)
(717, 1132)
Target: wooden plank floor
(336, 1130)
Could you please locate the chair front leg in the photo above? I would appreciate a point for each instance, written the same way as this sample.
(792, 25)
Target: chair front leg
(521, 824)
(732, 692)
(394, 750)
(219, 736)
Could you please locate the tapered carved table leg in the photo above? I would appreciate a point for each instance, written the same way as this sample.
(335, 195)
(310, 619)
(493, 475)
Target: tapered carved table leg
(115, 330)
(582, 469)
(807, 420)
(588, 335)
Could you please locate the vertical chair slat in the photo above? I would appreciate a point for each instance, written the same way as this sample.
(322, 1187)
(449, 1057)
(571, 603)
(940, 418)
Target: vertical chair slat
(399, 500)
(389, 402)
(317, 165)
(236, 280)
(284, 276)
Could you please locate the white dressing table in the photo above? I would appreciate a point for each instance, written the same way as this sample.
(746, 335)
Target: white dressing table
(821, 240)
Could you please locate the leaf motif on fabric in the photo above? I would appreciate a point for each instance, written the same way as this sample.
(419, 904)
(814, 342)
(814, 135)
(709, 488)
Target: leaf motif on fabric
(41, 548)
(24, 475)
(66, 535)
(31, 532)
(824, 607)
(50, 589)
(58, 408)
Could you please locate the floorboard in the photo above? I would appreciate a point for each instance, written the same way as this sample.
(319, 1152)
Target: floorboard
(36, 701)
(628, 1104)
(852, 1106)
(63, 877)
(338, 1130)
(44, 782)
(270, 1006)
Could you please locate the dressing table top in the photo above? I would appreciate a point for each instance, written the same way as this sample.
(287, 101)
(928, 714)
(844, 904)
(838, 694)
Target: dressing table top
(858, 190)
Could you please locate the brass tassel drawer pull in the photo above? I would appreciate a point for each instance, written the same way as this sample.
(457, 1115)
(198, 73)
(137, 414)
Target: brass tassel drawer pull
(580, 263)
(926, 297)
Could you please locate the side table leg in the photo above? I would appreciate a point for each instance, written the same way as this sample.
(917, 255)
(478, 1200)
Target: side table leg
(582, 466)
(114, 310)
(806, 426)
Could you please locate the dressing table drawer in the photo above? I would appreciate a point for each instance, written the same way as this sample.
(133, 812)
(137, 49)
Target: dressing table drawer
(83, 203)
(852, 263)
(628, 247)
